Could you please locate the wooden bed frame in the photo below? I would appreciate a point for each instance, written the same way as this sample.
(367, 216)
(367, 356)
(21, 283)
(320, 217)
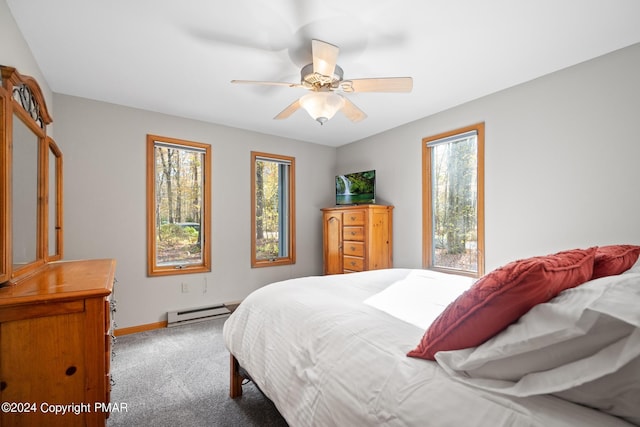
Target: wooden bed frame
(236, 378)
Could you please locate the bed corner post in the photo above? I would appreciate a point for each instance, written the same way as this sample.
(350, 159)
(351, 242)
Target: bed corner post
(235, 380)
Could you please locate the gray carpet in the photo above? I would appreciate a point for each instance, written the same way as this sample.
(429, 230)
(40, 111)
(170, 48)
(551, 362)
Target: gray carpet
(180, 377)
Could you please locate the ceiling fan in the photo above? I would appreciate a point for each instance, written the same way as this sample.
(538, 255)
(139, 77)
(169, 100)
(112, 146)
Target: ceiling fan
(324, 78)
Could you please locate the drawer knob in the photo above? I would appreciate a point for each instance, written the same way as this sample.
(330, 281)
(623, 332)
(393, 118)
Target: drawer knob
(71, 370)
(353, 233)
(353, 264)
(353, 248)
(3, 385)
(353, 218)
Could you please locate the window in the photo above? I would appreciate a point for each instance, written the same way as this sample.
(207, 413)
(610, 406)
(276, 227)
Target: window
(273, 210)
(453, 201)
(178, 206)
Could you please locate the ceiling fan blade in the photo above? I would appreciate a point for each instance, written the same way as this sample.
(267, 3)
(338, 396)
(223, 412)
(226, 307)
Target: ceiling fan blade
(257, 82)
(325, 56)
(292, 108)
(381, 84)
(352, 112)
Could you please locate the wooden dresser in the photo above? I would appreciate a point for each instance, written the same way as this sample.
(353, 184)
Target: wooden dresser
(357, 238)
(55, 343)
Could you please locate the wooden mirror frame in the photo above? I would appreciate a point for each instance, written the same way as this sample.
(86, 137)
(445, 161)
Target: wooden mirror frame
(53, 203)
(21, 97)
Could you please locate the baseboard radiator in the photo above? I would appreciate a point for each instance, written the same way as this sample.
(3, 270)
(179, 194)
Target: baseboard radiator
(199, 314)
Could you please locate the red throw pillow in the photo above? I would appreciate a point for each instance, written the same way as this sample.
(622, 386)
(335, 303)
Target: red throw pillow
(499, 298)
(614, 259)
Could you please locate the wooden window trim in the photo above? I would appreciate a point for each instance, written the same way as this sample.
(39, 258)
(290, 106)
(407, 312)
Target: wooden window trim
(427, 244)
(291, 258)
(152, 268)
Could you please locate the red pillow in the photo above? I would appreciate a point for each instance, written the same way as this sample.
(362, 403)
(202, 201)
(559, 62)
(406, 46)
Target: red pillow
(499, 298)
(614, 259)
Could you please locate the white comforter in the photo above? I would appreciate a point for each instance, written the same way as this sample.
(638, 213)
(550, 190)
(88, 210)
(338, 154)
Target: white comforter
(326, 358)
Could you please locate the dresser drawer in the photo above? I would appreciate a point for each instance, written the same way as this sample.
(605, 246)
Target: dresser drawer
(353, 233)
(354, 248)
(353, 263)
(353, 218)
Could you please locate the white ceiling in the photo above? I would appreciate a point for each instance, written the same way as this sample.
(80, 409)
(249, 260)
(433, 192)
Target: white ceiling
(178, 57)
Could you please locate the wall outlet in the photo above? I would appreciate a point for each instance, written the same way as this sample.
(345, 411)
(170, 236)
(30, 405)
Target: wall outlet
(185, 288)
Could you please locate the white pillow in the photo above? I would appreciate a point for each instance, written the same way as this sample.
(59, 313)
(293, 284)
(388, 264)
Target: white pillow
(584, 341)
(617, 393)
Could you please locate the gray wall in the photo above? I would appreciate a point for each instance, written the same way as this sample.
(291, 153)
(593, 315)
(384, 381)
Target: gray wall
(561, 160)
(104, 149)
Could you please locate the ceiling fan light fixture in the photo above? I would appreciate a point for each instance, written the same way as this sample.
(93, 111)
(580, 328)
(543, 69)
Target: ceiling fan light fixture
(311, 79)
(322, 106)
(323, 77)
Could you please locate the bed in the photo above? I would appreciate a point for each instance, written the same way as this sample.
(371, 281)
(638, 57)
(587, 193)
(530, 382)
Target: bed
(334, 350)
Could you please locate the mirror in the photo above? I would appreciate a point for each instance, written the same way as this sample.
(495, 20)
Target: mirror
(24, 206)
(30, 180)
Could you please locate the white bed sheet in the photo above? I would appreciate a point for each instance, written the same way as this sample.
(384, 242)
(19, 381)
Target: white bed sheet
(325, 358)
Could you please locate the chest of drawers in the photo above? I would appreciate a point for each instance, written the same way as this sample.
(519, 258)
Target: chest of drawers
(357, 238)
(55, 336)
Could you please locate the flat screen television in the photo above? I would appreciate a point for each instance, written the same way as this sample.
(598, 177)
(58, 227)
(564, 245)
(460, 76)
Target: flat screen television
(356, 188)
